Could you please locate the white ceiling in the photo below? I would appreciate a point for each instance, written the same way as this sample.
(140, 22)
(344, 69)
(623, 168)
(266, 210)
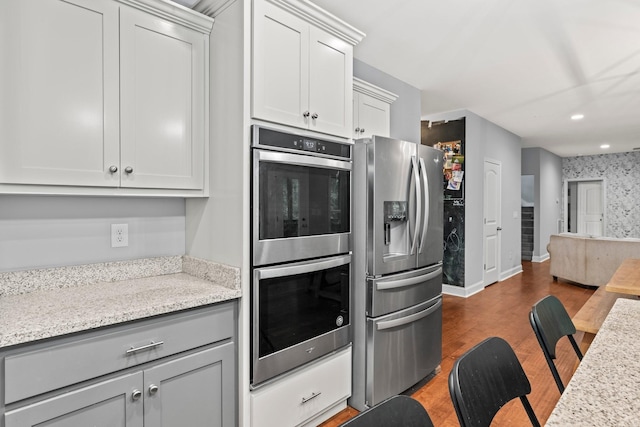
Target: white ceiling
(526, 65)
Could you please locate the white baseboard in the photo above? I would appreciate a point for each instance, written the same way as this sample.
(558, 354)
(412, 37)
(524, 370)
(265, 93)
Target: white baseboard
(510, 273)
(541, 258)
(460, 291)
(467, 291)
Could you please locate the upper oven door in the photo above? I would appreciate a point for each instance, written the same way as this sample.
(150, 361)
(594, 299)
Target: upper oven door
(301, 207)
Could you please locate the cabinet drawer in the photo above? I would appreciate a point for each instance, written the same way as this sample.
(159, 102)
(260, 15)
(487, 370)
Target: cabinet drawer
(51, 366)
(303, 395)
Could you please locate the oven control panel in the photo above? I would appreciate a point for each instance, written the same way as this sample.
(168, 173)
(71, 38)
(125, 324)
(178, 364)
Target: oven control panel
(291, 142)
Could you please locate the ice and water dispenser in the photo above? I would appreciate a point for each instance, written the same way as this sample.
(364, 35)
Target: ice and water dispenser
(396, 231)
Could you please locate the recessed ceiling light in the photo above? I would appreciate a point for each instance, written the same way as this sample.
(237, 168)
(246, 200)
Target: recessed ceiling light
(577, 117)
(604, 146)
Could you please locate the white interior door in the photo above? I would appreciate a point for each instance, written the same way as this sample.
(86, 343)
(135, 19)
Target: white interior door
(492, 208)
(590, 208)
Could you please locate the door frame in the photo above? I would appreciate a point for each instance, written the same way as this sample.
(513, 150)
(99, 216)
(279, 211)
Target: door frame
(565, 204)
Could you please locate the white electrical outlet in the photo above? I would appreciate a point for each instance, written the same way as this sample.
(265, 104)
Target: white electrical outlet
(119, 235)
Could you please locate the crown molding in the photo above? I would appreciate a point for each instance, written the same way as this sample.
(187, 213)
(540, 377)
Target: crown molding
(374, 91)
(173, 12)
(212, 7)
(319, 17)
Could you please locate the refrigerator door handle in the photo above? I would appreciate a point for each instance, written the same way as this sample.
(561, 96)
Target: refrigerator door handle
(416, 177)
(425, 191)
(388, 324)
(401, 283)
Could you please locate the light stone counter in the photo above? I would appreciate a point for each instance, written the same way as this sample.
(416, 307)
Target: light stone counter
(605, 389)
(40, 304)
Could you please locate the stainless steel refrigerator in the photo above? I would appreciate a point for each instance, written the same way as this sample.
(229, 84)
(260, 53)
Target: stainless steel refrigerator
(397, 248)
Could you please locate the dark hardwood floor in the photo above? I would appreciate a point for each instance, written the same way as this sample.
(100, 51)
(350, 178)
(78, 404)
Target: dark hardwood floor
(502, 309)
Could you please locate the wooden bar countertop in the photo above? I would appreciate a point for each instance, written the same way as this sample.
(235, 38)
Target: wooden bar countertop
(626, 279)
(590, 317)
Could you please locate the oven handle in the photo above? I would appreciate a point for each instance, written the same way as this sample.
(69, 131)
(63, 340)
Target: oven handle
(388, 324)
(302, 267)
(401, 283)
(296, 159)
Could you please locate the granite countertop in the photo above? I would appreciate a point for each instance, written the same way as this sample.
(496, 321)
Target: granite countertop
(39, 304)
(605, 389)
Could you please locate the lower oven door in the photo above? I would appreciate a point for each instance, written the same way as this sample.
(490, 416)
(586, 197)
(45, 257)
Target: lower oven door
(402, 349)
(300, 311)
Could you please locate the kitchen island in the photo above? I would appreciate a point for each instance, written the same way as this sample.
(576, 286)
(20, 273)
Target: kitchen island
(143, 342)
(605, 389)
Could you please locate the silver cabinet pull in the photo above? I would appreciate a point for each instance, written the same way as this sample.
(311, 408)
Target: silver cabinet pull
(153, 389)
(305, 114)
(314, 116)
(313, 396)
(128, 169)
(137, 394)
(113, 169)
(362, 130)
(357, 130)
(149, 346)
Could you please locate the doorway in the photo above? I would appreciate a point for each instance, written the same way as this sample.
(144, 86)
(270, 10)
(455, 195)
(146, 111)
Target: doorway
(585, 206)
(527, 230)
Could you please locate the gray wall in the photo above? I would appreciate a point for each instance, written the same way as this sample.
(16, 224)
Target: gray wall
(53, 231)
(527, 184)
(405, 111)
(550, 193)
(621, 176)
(546, 169)
(217, 227)
(486, 140)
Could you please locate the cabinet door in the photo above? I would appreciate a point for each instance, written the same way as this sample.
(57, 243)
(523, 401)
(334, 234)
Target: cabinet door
(331, 84)
(196, 390)
(373, 116)
(280, 66)
(162, 103)
(106, 404)
(59, 86)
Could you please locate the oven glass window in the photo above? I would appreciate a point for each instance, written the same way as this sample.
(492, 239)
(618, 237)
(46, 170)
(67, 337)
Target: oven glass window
(293, 309)
(302, 201)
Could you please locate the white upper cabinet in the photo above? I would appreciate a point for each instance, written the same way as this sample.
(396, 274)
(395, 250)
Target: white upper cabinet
(100, 98)
(59, 111)
(371, 110)
(162, 100)
(302, 72)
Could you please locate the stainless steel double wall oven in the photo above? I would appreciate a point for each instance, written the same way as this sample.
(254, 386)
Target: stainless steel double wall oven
(301, 260)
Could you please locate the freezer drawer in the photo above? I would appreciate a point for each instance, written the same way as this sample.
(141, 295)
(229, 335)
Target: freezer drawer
(402, 349)
(399, 291)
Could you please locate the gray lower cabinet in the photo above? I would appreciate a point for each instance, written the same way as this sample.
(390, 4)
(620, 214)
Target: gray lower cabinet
(195, 387)
(191, 391)
(106, 404)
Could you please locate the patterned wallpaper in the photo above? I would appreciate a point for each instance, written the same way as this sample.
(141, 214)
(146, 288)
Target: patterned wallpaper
(621, 173)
